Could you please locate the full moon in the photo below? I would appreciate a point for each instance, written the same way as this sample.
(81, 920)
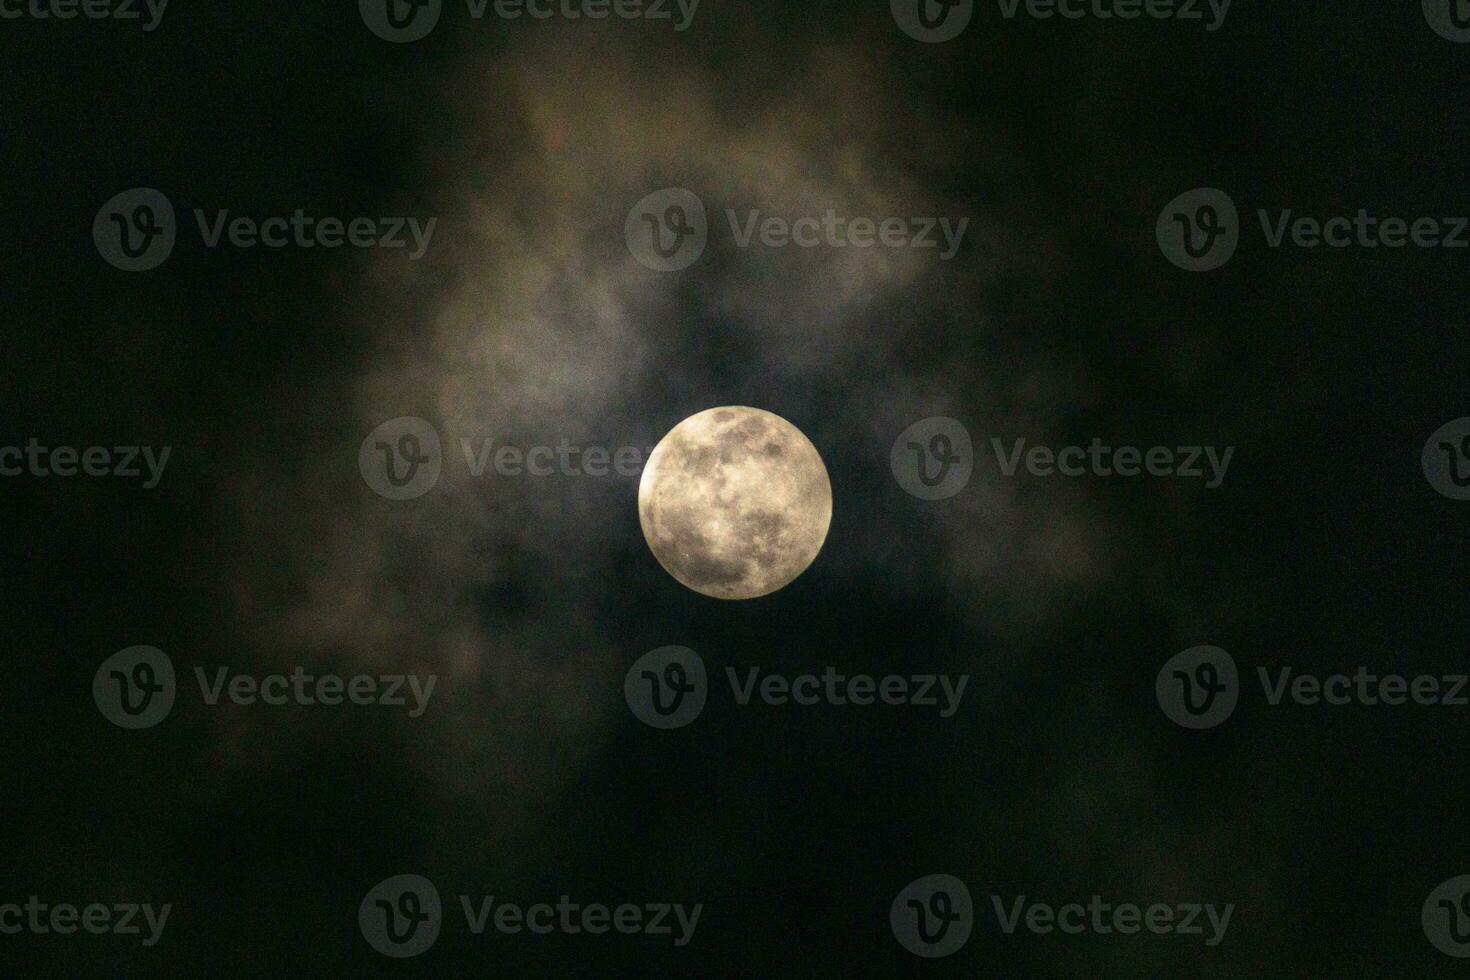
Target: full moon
(735, 502)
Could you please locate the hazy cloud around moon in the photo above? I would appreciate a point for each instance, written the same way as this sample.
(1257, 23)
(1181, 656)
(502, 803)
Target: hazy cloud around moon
(529, 322)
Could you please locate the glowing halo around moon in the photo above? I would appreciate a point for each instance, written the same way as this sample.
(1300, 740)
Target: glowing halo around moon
(735, 502)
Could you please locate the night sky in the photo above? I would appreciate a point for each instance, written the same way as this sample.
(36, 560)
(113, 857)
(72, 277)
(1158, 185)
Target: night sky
(529, 321)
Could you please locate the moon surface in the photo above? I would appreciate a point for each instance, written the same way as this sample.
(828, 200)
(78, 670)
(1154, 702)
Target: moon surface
(735, 502)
